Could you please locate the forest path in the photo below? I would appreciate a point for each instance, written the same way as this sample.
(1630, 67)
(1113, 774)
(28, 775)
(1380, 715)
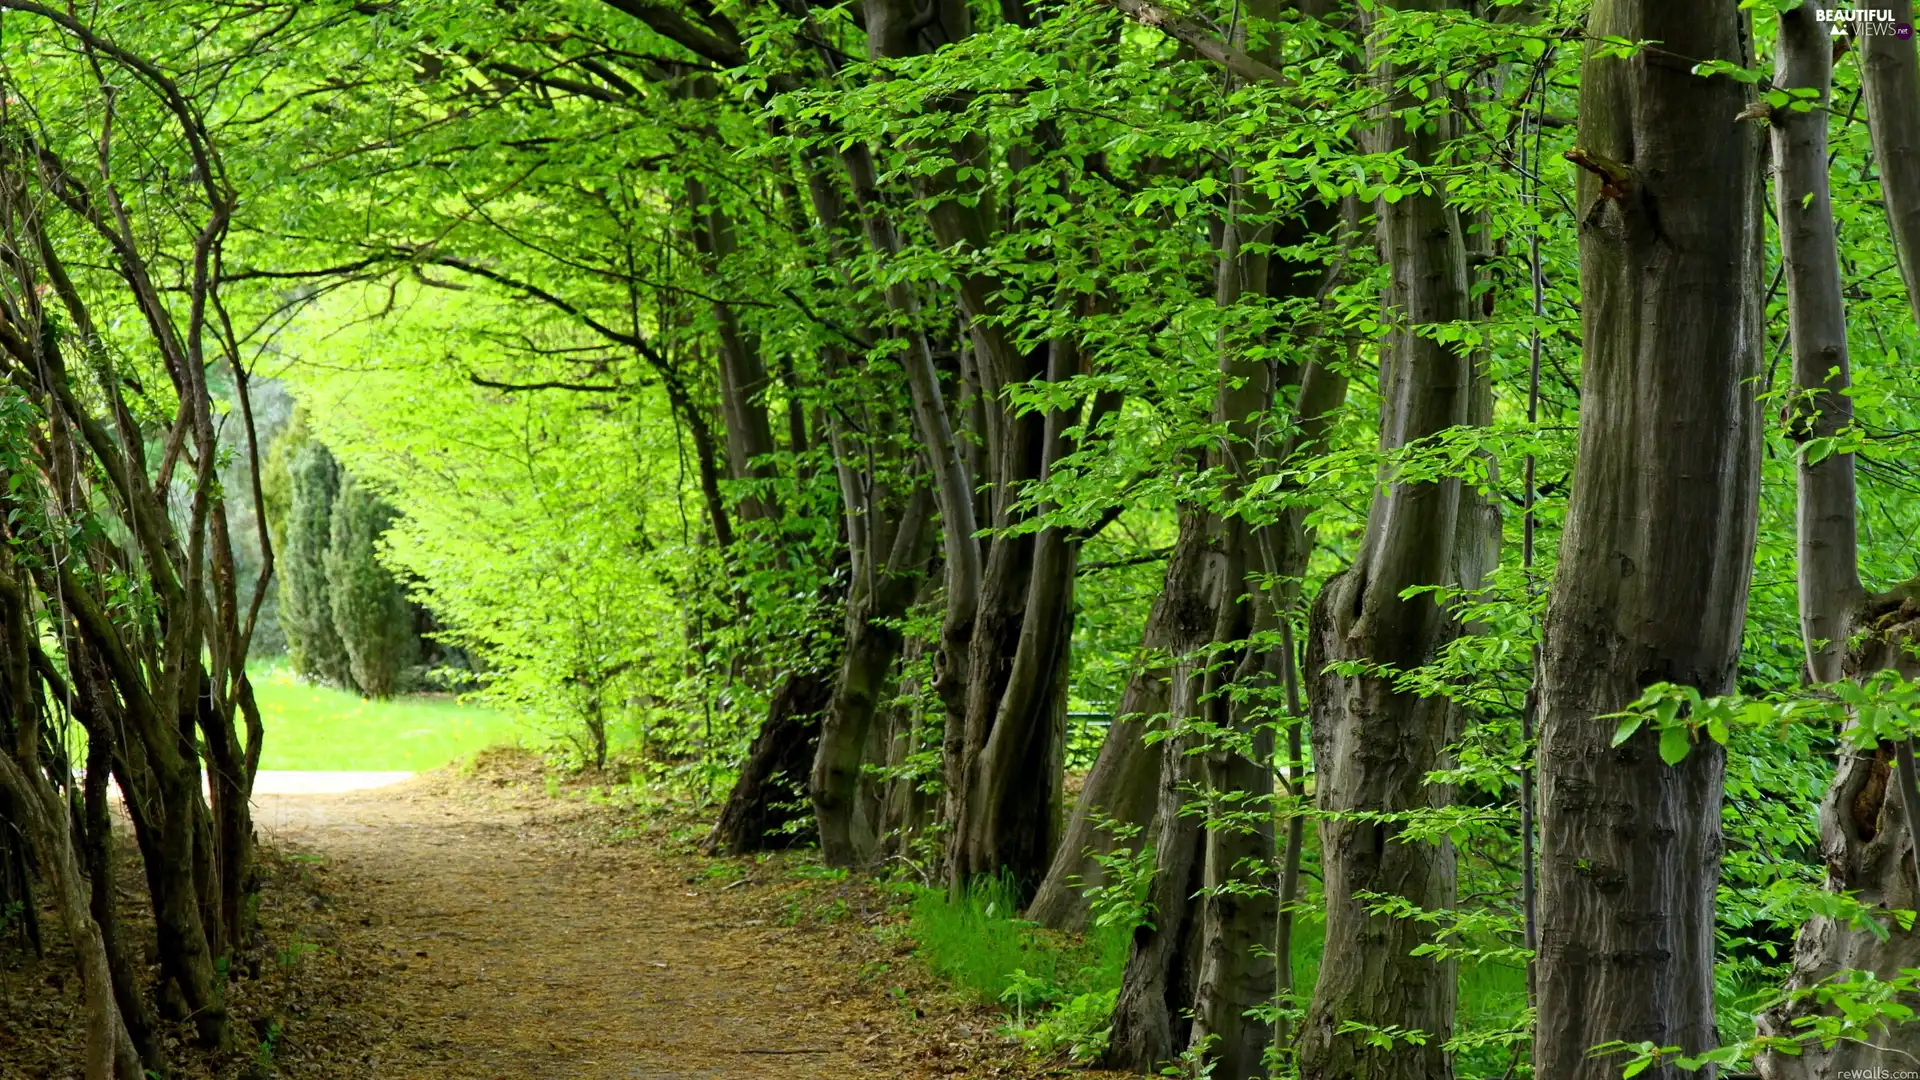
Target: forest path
(514, 941)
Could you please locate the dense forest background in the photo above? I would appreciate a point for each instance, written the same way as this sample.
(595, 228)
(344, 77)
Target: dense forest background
(1401, 513)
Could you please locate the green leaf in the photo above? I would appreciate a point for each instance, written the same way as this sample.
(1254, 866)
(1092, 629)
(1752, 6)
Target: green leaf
(1629, 724)
(1674, 744)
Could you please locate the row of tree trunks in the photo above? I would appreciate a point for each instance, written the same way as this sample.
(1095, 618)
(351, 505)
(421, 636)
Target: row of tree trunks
(1002, 655)
(31, 803)
(1200, 971)
(770, 793)
(1010, 759)
(1004, 686)
(163, 691)
(1657, 552)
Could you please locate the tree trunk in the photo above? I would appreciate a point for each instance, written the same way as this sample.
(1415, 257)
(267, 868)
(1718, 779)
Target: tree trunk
(177, 815)
(1890, 81)
(1152, 1019)
(1866, 838)
(946, 458)
(770, 794)
(162, 792)
(873, 644)
(1867, 842)
(1010, 765)
(909, 806)
(742, 375)
(1238, 912)
(1830, 591)
(30, 803)
(127, 993)
(230, 783)
(1657, 552)
(1374, 744)
(872, 647)
(110, 1054)
(1123, 784)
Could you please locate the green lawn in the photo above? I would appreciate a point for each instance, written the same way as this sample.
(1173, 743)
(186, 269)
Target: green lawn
(320, 728)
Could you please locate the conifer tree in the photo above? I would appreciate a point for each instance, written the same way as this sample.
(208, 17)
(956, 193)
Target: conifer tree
(370, 615)
(306, 612)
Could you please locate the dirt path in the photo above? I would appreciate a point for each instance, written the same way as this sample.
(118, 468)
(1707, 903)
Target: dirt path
(513, 942)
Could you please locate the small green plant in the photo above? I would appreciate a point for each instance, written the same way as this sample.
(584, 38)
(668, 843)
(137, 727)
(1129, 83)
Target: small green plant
(1078, 1030)
(793, 912)
(1120, 900)
(1024, 990)
(263, 1054)
(904, 1002)
(1194, 1063)
(816, 872)
(295, 952)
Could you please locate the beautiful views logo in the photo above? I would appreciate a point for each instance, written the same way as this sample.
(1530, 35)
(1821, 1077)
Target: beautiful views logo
(1864, 21)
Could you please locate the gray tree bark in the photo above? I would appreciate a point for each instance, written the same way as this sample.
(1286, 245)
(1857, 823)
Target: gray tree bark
(1123, 784)
(1890, 82)
(1865, 836)
(128, 994)
(1373, 745)
(1153, 1018)
(1657, 552)
(1002, 659)
(873, 643)
(110, 1054)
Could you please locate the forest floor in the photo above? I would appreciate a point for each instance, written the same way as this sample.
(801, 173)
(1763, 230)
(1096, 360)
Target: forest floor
(487, 924)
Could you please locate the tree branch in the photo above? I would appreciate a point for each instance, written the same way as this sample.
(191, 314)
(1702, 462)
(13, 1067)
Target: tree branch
(586, 388)
(1199, 38)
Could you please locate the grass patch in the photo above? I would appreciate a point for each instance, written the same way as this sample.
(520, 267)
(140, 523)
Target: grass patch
(1059, 988)
(321, 728)
(981, 945)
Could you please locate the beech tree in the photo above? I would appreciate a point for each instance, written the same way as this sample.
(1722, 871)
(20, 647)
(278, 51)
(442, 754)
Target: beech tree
(1849, 632)
(1654, 565)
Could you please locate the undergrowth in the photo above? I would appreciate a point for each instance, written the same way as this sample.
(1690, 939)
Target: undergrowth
(1059, 988)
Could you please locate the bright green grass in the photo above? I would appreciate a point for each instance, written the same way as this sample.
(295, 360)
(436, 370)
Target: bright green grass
(320, 728)
(979, 942)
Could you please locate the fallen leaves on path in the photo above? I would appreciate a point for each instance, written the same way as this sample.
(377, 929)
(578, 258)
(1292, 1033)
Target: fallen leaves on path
(512, 934)
(474, 925)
